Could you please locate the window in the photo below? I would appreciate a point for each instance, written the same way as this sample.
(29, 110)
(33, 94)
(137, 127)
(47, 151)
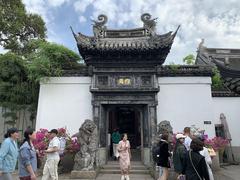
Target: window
(102, 80)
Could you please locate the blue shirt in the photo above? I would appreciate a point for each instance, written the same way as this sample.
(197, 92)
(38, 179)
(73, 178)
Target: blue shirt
(8, 155)
(27, 156)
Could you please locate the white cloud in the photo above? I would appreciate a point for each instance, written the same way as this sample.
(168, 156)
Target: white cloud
(82, 19)
(40, 7)
(82, 5)
(56, 3)
(45, 9)
(216, 21)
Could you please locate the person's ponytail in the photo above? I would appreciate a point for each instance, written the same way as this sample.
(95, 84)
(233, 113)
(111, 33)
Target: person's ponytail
(6, 135)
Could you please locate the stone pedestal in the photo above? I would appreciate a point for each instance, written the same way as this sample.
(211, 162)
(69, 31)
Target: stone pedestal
(102, 155)
(84, 175)
(147, 156)
(215, 162)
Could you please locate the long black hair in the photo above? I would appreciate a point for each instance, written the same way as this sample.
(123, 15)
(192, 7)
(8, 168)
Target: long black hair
(10, 132)
(178, 143)
(27, 132)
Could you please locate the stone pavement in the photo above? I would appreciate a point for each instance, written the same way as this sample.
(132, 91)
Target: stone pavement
(226, 173)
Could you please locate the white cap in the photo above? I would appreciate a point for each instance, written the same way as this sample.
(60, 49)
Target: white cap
(178, 136)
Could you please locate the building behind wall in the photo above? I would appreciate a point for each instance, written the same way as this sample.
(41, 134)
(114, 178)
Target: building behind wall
(124, 85)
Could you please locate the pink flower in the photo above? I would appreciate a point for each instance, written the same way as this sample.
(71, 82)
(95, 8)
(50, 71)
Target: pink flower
(217, 143)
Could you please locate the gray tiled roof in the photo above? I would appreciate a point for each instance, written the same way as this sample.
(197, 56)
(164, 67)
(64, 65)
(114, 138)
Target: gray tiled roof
(227, 62)
(125, 42)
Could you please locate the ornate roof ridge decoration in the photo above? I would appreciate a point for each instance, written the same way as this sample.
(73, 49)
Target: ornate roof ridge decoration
(141, 42)
(100, 29)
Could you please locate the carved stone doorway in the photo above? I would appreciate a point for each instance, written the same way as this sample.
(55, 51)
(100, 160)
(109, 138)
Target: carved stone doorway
(141, 106)
(127, 119)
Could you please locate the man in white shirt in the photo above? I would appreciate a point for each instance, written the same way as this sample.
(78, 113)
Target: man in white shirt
(188, 139)
(51, 165)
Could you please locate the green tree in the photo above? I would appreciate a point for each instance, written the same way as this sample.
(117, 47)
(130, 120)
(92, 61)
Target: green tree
(20, 76)
(17, 27)
(49, 59)
(189, 59)
(14, 85)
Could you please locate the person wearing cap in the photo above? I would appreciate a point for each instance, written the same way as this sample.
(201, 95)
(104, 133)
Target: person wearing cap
(51, 165)
(179, 154)
(9, 154)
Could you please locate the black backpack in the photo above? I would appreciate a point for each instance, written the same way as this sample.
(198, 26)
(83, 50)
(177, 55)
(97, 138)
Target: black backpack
(156, 152)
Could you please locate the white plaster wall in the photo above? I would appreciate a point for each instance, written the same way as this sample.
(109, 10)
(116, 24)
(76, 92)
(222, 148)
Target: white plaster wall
(64, 102)
(186, 101)
(230, 106)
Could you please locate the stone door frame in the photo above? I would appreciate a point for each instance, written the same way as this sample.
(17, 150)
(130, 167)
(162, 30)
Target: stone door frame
(148, 104)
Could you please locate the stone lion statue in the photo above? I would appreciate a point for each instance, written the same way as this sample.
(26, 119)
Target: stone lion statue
(163, 127)
(87, 138)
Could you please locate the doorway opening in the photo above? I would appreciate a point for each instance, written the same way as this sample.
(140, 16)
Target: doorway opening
(127, 119)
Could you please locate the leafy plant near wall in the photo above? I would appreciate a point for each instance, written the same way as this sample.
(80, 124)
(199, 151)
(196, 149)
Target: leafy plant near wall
(174, 67)
(217, 82)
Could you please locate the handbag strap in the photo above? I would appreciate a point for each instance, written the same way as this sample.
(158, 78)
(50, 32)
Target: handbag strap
(190, 156)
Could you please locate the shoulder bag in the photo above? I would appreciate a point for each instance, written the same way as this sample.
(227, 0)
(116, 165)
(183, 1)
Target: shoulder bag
(190, 156)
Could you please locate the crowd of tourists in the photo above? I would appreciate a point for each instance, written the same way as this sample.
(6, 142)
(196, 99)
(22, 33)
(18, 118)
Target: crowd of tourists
(191, 160)
(26, 156)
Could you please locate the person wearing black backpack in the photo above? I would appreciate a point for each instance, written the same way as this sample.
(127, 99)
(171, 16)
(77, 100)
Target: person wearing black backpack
(163, 160)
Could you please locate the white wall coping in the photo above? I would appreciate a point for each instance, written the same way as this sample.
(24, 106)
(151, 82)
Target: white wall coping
(184, 80)
(67, 80)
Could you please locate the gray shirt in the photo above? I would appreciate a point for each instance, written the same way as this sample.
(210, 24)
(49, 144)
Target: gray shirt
(27, 156)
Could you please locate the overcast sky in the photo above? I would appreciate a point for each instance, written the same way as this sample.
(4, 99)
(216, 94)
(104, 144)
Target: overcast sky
(217, 21)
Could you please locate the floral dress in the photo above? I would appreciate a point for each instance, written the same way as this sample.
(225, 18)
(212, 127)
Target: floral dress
(124, 156)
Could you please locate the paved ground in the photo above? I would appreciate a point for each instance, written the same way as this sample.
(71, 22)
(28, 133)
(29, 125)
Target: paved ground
(117, 177)
(226, 173)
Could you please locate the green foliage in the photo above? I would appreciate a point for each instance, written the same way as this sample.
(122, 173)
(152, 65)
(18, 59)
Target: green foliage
(29, 60)
(14, 85)
(20, 76)
(217, 82)
(173, 66)
(49, 59)
(189, 59)
(17, 27)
